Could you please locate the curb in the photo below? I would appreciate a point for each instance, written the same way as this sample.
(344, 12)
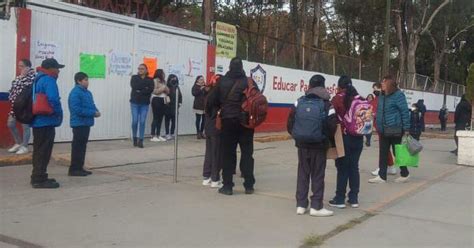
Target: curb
(16, 160)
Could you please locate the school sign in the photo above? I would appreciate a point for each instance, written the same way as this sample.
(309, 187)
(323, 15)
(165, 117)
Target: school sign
(226, 37)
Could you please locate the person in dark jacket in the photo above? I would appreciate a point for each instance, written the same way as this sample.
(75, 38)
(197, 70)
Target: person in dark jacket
(142, 87)
(462, 118)
(228, 97)
(415, 122)
(422, 108)
(170, 115)
(199, 92)
(393, 120)
(312, 156)
(83, 111)
(44, 125)
(443, 117)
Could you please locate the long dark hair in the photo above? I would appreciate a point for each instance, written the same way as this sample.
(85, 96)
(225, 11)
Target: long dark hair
(197, 78)
(345, 83)
(170, 77)
(159, 74)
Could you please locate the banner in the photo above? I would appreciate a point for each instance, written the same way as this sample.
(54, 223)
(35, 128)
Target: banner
(151, 64)
(120, 64)
(93, 65)
(226, 37)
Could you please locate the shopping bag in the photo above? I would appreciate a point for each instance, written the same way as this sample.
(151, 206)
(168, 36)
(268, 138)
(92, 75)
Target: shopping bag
(414, 146)
(41, 105)
(403, 156)
(337, 149)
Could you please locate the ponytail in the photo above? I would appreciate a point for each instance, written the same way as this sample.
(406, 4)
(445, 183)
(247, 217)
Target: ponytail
(345, 82)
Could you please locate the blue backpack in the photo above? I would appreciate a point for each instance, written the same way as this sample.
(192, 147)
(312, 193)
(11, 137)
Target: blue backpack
(310, 116)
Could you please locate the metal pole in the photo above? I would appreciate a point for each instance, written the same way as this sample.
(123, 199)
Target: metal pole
(175, 169)
(334, 64)
(386, 40)
(247, 49)
(360, 69)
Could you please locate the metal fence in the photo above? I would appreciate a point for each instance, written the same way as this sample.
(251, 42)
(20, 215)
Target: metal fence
(427, 84)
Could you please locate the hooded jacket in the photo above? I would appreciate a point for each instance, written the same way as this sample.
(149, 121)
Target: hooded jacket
(82, 107)
(462, 116)
(47, 85)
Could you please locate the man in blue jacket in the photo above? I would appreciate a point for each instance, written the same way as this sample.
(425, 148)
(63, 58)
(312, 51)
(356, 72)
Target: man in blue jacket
(44, 125)
(83, 111)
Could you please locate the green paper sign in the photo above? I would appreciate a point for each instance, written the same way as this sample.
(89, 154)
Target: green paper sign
(93, 65)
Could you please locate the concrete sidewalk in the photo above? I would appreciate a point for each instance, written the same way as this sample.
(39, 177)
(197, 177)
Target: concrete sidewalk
(131, 202)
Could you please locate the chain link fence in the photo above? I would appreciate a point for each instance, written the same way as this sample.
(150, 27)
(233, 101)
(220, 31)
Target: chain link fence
(427, 84)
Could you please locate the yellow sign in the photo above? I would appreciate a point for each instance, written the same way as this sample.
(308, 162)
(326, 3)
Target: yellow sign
(226, 36)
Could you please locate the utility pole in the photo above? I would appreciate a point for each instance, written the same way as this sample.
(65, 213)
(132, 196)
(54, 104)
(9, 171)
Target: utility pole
(207, 10)
(386, 40)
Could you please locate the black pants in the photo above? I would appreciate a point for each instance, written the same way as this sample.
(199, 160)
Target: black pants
(443, 125)
(311, 166)
(348, 169)
(368, 138)
(170, 124)
(200, 123)
(234, 134)
(158, 107)
(385, 144)
(79, 147)
(43, 142)
(212, 160)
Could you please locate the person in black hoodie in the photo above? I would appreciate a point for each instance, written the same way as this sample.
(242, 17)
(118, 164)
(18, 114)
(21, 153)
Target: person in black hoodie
(142, 87)
(199, 92)
(228, 97)
(312, 156)
(170, 115)
(415, 122)
(422, 109)
(462, 118)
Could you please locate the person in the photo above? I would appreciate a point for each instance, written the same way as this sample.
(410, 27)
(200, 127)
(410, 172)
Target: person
(83, 111)
(24, 80)
(199, 92)
(212, 160)
(393, 120)
(377, 87)
(158, 104)
(443, 117)
(422, 108)
(44, 125)
(462, 118)
(415, 122)
(368, 137)
(312, 155)
(142, 87)
(347, 166)
(228, 97)
(170, 112)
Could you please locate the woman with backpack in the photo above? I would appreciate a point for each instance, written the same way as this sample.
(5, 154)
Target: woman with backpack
(24, 80)
(170, 115)
(159, 100)
(199, 92)
(393, 120)
(347, 166)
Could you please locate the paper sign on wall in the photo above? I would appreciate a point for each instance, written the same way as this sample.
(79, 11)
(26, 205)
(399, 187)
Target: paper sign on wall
(194, 67)
(152, 64)
(93, 65)
(178, 70)
(226, 36)
(120, 63)
(45, 50)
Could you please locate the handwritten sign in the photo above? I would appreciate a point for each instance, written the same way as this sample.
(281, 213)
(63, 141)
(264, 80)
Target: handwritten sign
(194, 67)
(46, 50)
(178, 70)
(226, 36)
(120, 64)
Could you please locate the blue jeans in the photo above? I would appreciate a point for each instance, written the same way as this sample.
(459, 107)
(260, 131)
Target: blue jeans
(348, 169)
(139, 112)
(11, 123)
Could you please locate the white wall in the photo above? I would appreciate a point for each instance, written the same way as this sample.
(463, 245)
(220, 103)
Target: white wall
(7, 52)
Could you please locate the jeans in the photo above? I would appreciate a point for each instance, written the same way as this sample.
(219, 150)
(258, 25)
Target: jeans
(348, 169)
(43, 142)
(139, 112)
(385, 144)
(159, 108)
(212, 160)
(11, 123)
(311, 168)
(79, 147)
(200, 123)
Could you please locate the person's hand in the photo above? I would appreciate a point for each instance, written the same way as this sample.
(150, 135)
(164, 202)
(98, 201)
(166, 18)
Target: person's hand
(97, 114)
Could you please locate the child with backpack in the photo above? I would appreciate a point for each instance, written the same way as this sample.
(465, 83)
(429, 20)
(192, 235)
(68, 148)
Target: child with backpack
(311, 123)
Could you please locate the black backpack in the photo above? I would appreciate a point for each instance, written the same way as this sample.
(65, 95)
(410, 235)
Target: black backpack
(23, 106)
(310, 117)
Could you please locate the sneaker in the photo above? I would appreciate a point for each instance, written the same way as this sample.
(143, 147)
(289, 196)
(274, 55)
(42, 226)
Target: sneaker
(301, 210)
(22, 150)
(226, 191)
(249, 191)
(87, 172)
(15, 148)
(206, 182)
(168, 137)
(377, 179)
(78, 173)
(392, 170)
(320, 213)
(155, 139)
(335, 204)
(375, 172)
(353, 205)
(402, 179)
(161, 139)
(217, 184)
(48, 184)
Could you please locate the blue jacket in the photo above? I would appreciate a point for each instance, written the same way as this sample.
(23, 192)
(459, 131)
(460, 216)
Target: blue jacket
(47, 85)
(396, 111)
(81, 107)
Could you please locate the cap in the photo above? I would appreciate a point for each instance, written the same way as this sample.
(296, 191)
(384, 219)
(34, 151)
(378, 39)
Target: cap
(51, 63)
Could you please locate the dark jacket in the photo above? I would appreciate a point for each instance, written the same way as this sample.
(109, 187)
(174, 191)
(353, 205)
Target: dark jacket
(462, 116)
(338, 103)
(141, 89)
(415, 123)
(47, 84)
(211, 115)
(443, 114)
(392, 110)
(199, 94)
(81, 107)
(170, 109)
(329, 128)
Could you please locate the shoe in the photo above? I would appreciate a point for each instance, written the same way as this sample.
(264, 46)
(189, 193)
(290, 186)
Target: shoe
(226, 191)
(87, 172)
(199, 136)
(203, 135)
(140, 143)
(249, 191)
(455, 152)
(15, 148)
(78, 173)
(301, 210)
(320, 213)
(206, 182)
(168, 137)
(392, 170)
(367, 144)
(353, 205)
(375, 172)
(135, 141)
(216, 184)
(48, 184)
(161, 139)
(154, 139)
(335, 204)
(172, 137)
(22, 150)
(377, 179)
(402, 179)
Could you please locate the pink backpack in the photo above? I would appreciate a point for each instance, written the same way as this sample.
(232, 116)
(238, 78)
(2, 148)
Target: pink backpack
(359, 118)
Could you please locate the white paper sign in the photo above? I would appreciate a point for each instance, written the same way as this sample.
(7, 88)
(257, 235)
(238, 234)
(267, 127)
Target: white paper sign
(194, 67)
(178, 70)
(45, 50)
(120, 63)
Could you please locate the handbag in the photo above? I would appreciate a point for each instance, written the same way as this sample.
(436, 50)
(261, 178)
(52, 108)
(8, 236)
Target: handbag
(390, 131)
(40, 103)
(414, 146)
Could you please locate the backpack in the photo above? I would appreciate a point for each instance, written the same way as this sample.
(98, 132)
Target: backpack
(254, 107)
(310, 117)
(23, 106)
(359, 118)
